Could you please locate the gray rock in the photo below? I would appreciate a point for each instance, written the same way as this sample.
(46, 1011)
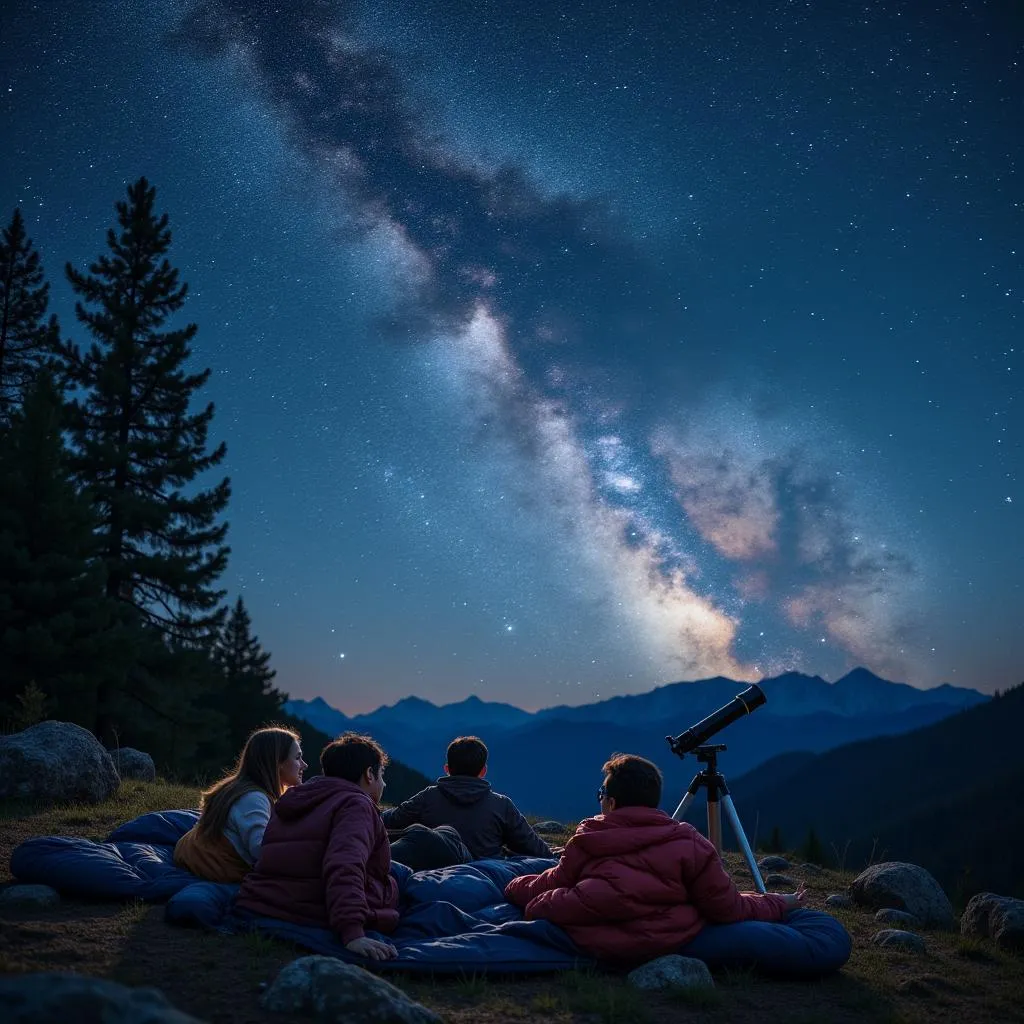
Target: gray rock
(331, 990)
(56, 762)
(133, 764)
(810, 869)
(549, 826)
(897, 918)
(838, 901)
(672, 971)
(55, 998)
(776, 882)
(894, 938)
(774, 863)
(28, 896)
(1000, 918)
(903, 887)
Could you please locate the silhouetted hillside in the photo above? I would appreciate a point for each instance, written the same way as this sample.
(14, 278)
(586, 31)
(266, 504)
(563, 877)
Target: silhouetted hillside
(947, 796)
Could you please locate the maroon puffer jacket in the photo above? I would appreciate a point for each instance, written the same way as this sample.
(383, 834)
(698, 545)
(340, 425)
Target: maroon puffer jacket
(325, 861)
(634, 884)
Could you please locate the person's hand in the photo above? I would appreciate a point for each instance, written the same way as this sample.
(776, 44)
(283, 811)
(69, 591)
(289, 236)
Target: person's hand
(795, 899)
(372, 948)
(557, 851)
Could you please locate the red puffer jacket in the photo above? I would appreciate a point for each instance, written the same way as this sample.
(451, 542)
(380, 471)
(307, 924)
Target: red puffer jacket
(634, 884)
(325, 861)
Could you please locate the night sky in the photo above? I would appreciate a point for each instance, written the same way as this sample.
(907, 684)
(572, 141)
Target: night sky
(570, 349)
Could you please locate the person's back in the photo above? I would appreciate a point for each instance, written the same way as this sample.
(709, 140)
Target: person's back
(325, 859)
(487, 822)
(633, 883)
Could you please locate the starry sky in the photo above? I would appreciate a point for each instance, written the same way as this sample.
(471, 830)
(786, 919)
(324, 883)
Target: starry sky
(565, 350)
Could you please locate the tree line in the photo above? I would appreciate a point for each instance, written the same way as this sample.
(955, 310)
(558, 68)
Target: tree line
(112, 528)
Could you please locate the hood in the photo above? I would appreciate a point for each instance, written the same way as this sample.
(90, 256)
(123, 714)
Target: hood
(463, 789)
(301, 800)
(626, 831)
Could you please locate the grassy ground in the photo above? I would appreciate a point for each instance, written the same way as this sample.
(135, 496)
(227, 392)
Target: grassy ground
(218, 978)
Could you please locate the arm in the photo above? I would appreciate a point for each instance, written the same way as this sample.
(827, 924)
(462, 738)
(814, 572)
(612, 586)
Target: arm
(518, 834)
(405, 814)
(344, 870)
(715, 895)
(522, 890)
(248, 818)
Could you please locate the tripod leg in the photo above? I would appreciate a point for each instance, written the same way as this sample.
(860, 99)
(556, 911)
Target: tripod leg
(715, 821)
(684, 805)
(741, 838)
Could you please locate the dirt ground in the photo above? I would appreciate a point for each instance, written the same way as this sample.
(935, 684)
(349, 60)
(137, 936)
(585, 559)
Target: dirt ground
(220, 978)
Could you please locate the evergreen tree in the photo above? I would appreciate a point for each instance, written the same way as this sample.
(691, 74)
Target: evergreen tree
(26, 338)
(139, 449)
(58, 630)
(248, 698)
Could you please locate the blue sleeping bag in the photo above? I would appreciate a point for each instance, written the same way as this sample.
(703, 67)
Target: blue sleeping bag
(453, 920)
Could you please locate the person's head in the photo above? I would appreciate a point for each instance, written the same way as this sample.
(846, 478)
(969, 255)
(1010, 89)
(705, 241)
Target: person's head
(467, 755)
(629, 781)
(358, 759)
(271, 761)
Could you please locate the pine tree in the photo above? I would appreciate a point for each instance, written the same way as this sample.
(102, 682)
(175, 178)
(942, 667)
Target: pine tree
(58, 630)
(248, 698)
(139, 449)
(26, 337)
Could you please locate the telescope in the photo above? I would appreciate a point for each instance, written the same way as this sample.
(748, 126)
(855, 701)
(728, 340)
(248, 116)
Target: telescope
(742, 704)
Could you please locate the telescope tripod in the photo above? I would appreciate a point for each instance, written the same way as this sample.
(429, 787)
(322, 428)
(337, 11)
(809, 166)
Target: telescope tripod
(711, 779)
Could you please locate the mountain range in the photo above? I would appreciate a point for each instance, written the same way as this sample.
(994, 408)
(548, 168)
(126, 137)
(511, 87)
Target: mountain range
(549, 761)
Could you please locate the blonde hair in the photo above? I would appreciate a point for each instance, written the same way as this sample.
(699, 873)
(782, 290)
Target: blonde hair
(258, 768)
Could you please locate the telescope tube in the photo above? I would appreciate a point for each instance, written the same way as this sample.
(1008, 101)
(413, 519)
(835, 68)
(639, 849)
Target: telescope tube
(742, 704)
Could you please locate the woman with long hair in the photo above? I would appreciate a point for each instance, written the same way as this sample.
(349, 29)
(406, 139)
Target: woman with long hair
(225, 843)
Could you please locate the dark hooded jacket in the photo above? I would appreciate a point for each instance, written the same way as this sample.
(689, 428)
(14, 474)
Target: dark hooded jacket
(486, 821)
(325, 861)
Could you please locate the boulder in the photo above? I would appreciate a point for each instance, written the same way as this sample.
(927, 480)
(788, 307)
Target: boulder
(331, 990)
(672, 971)
(774, 863)
(897, 918)
(894, 938)
(838, 901)
(56, 762)
(549, 826)
(903, 887)
(1000, 918)
(133, 764)
(58, 997)
(776, 882)
(28, 897)
(811, 869)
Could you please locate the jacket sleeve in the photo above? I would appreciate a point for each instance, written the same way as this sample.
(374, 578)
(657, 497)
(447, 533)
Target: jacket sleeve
(518, 834)
(525, 888)
(715, 895)
(590, 900)
(407, 813)
(344, 870)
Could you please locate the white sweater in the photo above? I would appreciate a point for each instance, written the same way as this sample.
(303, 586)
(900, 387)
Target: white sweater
(247, 821)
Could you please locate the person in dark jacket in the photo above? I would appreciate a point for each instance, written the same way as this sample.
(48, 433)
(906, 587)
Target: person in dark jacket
(487, 822)
(325, 859)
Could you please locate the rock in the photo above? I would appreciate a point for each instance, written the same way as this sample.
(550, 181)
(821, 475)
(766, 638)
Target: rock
(903, 887)
(810, 869)
(57, 997)
(899, 918)
(331, 990)
(838, 901)
(776, 882)
(133, 764)
(1000, 918)
(774, 863)
(56, 762)
(894, 938)
(549, 826)
(28, 896)
(672, 971)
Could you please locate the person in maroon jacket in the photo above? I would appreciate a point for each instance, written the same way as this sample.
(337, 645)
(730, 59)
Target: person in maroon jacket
(633, 883)
(325, 859)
